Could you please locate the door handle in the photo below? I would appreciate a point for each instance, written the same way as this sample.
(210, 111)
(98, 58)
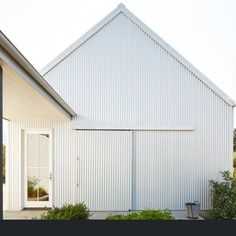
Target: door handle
(50, 176)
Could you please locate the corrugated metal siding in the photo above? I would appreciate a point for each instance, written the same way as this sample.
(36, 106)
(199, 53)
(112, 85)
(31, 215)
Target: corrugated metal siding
(121, 76)
(169, 172)
(64, 162)
(169, 167)
(104, 169)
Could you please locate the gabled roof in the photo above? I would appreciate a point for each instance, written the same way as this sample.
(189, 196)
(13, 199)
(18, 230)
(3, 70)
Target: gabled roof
(8, 46)
(121, 9)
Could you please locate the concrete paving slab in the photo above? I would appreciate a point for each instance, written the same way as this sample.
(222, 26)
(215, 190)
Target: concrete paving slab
(98, 215)
(22, 215)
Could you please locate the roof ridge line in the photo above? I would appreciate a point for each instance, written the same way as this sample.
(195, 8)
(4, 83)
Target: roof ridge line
(121, 5)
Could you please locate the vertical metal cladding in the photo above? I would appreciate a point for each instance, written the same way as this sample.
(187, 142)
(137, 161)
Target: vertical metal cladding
(64, 162)
(122, 76)
(167, 170)
(104, 169)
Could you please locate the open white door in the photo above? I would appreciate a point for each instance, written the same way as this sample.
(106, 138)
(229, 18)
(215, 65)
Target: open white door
(38, 168)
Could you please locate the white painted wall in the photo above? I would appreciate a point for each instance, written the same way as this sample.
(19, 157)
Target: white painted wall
(174, 167)
(64, 162)
(122, 170)
(105, 169)
(122, 77)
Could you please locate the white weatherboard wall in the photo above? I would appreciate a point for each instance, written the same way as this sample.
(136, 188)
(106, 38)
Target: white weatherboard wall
(64, 162)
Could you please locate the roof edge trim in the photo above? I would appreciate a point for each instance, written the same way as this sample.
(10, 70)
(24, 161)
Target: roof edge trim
(102, 23)
(7, 45)
(180, 58)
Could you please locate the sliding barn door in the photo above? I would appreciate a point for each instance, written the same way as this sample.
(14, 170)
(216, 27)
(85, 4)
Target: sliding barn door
(105, 169)
(163, 170)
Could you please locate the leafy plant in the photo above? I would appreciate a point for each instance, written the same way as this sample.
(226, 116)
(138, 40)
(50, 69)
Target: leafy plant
(235, 160)
(234, 165)
(234, 140)
(223, 197)
(67, 212)
(144, 215)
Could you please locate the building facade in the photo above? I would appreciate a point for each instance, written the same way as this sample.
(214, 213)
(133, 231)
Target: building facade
(150, 130)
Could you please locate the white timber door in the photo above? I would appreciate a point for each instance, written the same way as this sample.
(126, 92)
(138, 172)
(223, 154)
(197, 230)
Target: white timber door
(38, 168)
(105, 169)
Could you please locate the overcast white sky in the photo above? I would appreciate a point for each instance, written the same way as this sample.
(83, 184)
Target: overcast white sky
(203, 31)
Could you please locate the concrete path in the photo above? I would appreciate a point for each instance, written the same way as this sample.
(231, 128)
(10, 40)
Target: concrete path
(22, 215)
(179, 215)
(29, 214)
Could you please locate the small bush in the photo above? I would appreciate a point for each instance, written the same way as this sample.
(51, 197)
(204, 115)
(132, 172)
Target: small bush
(67, 212)
(144, 215)
(223, 197)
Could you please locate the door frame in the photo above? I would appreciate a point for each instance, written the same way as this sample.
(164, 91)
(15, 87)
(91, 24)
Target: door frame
(39, 204)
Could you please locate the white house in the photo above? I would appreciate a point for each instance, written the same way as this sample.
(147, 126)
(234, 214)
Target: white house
(143, 128)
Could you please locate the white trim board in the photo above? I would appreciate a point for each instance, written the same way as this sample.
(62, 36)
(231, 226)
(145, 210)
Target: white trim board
(76, 126)
(121, 9)
(8, 61)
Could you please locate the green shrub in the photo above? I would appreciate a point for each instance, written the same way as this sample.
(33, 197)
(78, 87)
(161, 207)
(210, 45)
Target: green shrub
(235, 140)
(144, 215)
(67, 212)
(234, 174)
(234, 159)
(223, 197)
